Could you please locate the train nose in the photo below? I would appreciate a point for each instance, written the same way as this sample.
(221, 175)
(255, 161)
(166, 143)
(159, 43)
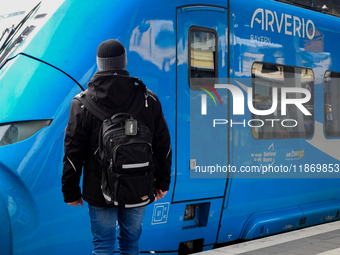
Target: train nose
(5, 229)
(18, 213)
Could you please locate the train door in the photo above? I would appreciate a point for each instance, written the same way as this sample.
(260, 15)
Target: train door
(202, 60)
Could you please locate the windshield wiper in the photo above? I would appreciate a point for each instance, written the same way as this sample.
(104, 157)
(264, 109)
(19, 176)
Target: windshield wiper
(12, 30)
(8, 30)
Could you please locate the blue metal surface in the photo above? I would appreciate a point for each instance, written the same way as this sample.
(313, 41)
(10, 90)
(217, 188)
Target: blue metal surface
(5, 235)
(267, 223)
(41, 78)
(322, 212)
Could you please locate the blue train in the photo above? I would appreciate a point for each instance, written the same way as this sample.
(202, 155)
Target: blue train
(256, 158)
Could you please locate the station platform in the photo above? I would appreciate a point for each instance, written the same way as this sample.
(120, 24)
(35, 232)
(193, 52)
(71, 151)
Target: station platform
(317, 240)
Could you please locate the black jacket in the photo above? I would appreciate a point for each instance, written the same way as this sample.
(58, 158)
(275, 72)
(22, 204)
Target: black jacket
(114, 93)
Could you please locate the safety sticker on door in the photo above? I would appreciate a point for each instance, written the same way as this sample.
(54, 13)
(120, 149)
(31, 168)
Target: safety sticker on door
(160, 213)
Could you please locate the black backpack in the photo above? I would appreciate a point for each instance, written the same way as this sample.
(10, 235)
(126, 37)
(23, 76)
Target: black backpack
(125, 153)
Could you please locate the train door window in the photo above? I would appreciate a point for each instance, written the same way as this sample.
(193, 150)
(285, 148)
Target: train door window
(202, 54)
(332, 104)
(294, 123)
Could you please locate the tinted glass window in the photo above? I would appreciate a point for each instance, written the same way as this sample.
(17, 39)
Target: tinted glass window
(293, 124)
(202, 53)
(332, 104)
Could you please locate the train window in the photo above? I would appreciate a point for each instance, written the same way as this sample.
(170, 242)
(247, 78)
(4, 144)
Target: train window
(202, 53)
(332, 104)
(18, 131)
(294, 123)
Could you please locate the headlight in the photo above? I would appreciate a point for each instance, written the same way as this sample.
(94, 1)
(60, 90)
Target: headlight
(18, 131)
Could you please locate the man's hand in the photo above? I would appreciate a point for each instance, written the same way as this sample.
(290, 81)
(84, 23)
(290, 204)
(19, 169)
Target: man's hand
(160, 194)
(76, 203)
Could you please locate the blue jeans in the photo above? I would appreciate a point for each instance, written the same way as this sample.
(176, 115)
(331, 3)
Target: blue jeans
(103, 226)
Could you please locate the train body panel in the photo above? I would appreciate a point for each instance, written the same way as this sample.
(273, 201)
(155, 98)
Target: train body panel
(169, 44)
(264, 43)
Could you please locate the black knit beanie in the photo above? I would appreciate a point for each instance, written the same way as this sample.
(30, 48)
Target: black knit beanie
(111, 54)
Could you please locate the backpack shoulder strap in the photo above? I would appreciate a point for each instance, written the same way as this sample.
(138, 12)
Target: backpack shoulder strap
(91, 106)
(140, 93)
